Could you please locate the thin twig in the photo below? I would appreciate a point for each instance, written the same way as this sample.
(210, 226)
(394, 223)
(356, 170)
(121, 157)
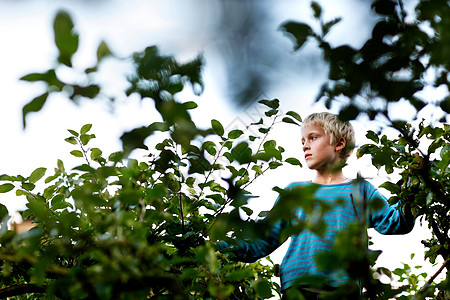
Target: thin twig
(432, 278)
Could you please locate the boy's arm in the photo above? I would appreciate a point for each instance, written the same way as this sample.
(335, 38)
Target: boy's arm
(250, 251)
(390, 219)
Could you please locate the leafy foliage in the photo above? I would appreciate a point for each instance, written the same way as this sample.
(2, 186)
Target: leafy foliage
(116, 227)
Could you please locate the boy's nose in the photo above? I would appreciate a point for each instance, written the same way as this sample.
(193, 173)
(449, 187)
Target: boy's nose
(305, 147)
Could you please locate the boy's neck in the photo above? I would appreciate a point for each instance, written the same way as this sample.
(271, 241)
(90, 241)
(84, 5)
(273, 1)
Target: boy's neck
(329, 178)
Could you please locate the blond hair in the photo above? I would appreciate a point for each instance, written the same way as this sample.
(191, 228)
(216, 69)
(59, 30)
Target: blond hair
(335, 129)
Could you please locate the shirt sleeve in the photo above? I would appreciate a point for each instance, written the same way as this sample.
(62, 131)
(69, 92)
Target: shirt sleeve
(388, 219)
(252, 250)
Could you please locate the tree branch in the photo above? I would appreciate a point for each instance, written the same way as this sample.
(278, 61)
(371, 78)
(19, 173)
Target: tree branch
(20, 289)
(432, 278)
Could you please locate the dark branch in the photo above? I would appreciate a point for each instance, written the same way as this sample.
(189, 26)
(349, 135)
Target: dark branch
(20, 289)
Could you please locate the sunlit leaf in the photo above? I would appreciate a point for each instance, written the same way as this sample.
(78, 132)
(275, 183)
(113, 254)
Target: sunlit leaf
(293, 161)
(76, 153)
(6, 187)
(217, 127)
(95, 153)
(37, 174)
(71, 140)
(85, 128)
(85, 138)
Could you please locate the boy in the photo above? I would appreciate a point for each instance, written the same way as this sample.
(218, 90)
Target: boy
(327, 143)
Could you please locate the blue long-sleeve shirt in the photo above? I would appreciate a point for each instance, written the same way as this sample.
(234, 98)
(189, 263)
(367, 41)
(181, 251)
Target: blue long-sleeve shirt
(299, 261)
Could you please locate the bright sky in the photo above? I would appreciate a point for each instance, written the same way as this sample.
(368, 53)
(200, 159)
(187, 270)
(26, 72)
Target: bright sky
(128, 26)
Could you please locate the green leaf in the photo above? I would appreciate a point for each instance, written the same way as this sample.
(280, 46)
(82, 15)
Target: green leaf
(158, 126)
(6, 187)
(384, 7)
(190, 105)
(66, 39)
(21, 193)
(60, 165)
(373, 136)
(85, 168)
(28, 186)
(349, 112)
(115, 157)
(48, 77)
(85, 128)
(299, 31)
(37, 174)
(3, 212)
(90, 91)
(445, 104)
(327, 26)
(317, 10)
(190, 181)
(391, 187)
(247, 210)
(274, 164)
(76, 153)
(103, 51)
(95, 153)
(217, 127)
(294, 115)
(271, 112)
(242, 153)
(135, 139)
(35, 105)
(240, 274)
(289, 120)
(71, 140)
(85, 138)
(293, 161)
(263, 289)
(73, 132)
(210, 147)
(274, 104)
(260, 122)
(5, 177)
(58, 202)
(234, 134)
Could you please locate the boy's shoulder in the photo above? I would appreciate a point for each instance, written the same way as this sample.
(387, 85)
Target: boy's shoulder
(298, 183)
(363, 183)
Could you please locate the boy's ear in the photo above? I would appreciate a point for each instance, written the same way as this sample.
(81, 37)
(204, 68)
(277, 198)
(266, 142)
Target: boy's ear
(340, 144)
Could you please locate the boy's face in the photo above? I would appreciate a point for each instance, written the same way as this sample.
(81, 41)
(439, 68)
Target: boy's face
(320, 154)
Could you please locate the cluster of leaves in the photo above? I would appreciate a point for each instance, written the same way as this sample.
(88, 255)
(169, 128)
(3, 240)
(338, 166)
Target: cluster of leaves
(66, 41)
(424, 185)
(391, 64)
(114, 227)
(394, 64)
